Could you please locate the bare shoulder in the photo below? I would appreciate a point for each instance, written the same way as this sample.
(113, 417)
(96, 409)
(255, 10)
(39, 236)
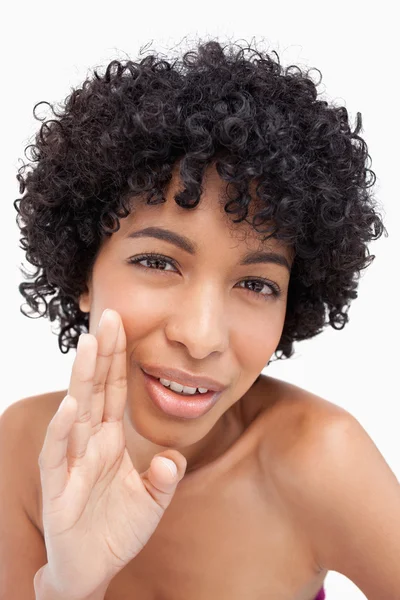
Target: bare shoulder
(340, 489)
(299, 430)
(30, 417)
(296, 418)
(305, 437)
(35, 414)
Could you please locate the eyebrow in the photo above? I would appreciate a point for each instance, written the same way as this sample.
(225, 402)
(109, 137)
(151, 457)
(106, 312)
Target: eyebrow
(184, 243)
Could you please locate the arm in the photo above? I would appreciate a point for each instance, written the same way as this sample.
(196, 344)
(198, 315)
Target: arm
(23, 556)
(22, 548)
(349, 502)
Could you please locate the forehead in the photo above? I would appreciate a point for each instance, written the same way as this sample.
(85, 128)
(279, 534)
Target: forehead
(208, 220)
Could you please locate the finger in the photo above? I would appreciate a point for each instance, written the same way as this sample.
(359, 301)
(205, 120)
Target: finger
(116, 383)
(81, 387)
(107, 336)
(163, 476)
(53, 461)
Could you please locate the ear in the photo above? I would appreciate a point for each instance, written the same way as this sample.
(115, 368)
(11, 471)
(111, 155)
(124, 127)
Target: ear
(85, 301)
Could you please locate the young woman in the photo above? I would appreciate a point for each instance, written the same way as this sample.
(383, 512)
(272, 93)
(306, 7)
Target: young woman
(189, 219)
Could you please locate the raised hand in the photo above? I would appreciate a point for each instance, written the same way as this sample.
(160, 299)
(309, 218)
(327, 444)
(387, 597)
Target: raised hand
(98, 511)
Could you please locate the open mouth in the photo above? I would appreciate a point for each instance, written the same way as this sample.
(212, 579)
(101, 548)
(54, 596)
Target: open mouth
(178, 403)
(182, 389)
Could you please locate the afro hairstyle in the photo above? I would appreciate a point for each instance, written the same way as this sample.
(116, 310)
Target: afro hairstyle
(120, 133)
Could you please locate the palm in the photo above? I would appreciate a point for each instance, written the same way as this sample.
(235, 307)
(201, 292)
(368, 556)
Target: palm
(98, 511)
(105, 505)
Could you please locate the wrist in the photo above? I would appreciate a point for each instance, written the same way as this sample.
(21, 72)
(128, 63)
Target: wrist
(46, 590)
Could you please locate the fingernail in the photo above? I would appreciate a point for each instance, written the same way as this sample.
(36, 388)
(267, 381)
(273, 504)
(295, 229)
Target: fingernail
(170, 464)
(81, 337)
(63, 403)
(102, 316)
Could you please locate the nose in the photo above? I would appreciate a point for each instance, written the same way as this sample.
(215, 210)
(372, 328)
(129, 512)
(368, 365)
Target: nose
(199, 321)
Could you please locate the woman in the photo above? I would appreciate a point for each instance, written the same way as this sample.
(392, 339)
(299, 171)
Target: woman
(220, 211)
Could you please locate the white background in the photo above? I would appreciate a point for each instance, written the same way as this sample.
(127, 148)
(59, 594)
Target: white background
(47, 48)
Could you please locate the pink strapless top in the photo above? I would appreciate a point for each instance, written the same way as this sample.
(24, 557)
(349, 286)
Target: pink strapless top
(320, 595)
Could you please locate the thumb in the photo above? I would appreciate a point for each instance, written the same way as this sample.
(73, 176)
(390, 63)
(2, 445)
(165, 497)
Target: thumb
(167, 462)
(163, 475)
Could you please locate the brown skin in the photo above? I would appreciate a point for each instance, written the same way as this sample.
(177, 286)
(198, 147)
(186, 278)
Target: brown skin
(231, 518)
(228, 515)
(275, 491)
(200, 317)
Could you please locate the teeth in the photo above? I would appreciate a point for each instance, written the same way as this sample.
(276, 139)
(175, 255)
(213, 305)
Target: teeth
(177, 387)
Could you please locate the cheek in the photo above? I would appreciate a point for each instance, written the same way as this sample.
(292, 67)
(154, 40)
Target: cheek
(254, 333)
(140, 310)
(140, 306)
(256, 340)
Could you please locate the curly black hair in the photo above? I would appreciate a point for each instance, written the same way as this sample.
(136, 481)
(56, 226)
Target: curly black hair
(120, 134)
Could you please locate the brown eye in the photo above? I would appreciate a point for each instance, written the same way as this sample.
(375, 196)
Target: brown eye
(263, 284)
(155, 262)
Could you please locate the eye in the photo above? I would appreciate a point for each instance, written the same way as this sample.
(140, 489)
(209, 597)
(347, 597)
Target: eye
(260, 285)
(158, 262)
(152, 258)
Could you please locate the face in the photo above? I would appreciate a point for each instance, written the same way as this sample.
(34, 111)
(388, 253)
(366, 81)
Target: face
(194, 308)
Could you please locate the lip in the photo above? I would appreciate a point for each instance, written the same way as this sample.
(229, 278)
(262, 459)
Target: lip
(183, 377)
(177, 405)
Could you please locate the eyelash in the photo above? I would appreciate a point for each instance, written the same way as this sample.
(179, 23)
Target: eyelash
(154, 256)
